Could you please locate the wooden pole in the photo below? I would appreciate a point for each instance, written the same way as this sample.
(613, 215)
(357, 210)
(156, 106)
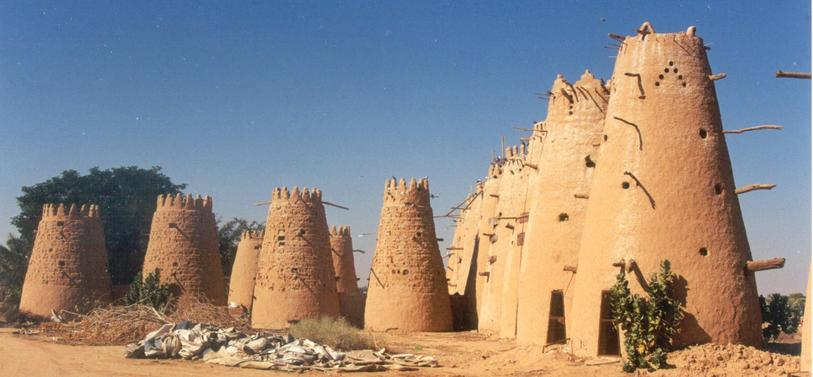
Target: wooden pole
(762, 127)
(793, 75)
(758, 186)
(764, 264)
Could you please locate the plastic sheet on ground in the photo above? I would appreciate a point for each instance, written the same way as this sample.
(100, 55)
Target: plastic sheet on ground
(228, 347)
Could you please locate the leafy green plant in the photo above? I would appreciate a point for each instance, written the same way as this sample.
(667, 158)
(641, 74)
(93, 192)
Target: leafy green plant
(149, 291)
(648, 323)
(781, 313)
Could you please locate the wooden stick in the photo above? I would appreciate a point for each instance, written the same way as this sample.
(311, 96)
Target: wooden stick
(757, 186)
(793, 75)
(532, 166)
(617, 37)
(762, 127)
(718, 76)
(581, 196)
(569, 268)
(522, 129)
(335, 205)
(764, 264)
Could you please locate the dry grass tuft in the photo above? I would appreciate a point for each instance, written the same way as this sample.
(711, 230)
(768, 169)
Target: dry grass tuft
(337, 333)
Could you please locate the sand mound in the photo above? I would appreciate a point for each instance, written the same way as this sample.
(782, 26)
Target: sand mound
(732, 360)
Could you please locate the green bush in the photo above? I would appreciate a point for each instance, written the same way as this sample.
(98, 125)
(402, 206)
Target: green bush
(781, 313)
(149, 291)
(337, 333)
(648, 324)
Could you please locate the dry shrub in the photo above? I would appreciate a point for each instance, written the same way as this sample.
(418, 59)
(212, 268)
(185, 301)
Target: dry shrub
(119, 325)
(337, 333)
(202, 312)
(114, 325)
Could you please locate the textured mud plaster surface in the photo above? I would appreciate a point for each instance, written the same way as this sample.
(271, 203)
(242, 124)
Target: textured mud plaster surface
(462, 270)
(407, 288)
(486, 237)
(183, 245)
(663, 189)
(68, 265)
(351, 303)
(565, 147)
(295, 276)
(244, 269)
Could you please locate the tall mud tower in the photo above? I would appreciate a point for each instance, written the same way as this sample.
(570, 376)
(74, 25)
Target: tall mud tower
(244, 269)
(68, 266)
(407, 281)
(183, 246)
(558, 194)
(664, 189)
(485, 238)
(351, 303)
(295, 276)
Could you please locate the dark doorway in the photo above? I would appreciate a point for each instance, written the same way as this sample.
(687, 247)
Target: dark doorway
(608, 343)
(556, 323)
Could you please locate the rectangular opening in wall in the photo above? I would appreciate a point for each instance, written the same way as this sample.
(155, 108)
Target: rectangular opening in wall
(556, 323)
(608, 343)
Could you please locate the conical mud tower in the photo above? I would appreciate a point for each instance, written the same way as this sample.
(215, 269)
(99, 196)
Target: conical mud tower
(484, 242)
(244, 270)
(295, 276)
(351, 303)
(407, 281)
(462, 268)
(68, 265)
(663, 189)
(183, 246)
(567, 144)
(507, 235)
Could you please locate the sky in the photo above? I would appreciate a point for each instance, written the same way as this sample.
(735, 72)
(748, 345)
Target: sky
(236, 98)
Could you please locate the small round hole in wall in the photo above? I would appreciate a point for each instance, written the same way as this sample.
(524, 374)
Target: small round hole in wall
(625, 185)
(660, 77)
(703, 251)
(657, 83)
(605, 137)
(675, 70)
(703, 133)
(680, 77)
(671, 63)
(683, 83)
(666, 70)
(569, 113)
(563, 217)
(718, 189)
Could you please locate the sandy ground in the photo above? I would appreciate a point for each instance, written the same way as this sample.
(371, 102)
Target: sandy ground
(459, 354)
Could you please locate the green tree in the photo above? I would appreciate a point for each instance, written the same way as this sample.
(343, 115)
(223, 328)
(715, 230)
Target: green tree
(228, 236)
(13, 265)
(126, 197)
(648, 323)
(781, 313)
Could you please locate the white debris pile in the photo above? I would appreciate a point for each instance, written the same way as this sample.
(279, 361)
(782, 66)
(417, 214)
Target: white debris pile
(236, 349)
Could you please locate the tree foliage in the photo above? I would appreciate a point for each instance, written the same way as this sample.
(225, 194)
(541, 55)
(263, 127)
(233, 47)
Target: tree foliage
(13, 266)
(648, 323)
(149, 291)
(781, 313)
(126, 197)
(228, 236)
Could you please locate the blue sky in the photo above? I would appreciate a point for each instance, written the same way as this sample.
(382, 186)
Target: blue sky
(235, 98)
